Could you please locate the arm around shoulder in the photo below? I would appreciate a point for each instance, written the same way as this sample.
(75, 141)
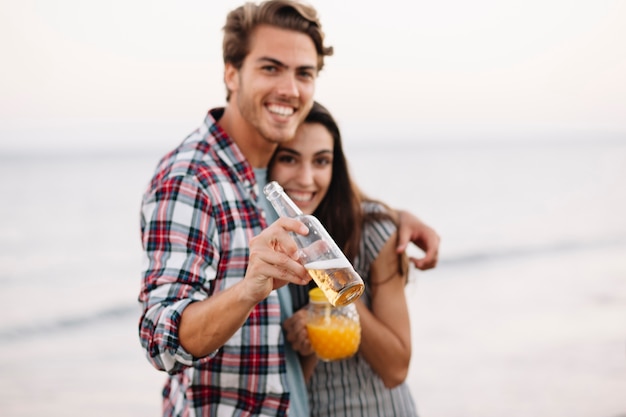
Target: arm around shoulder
(412, 229)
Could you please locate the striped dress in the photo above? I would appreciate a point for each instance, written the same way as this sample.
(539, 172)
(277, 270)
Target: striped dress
(350, 388)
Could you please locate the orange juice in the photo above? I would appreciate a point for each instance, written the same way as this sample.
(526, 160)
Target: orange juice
(334, 337)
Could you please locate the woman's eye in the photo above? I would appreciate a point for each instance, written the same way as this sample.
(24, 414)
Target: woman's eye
(323, 161)
(286, 159)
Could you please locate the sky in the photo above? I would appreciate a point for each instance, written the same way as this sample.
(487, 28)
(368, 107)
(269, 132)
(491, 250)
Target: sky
(137, 73)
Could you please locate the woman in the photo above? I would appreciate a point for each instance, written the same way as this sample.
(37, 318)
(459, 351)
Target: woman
(313, 171)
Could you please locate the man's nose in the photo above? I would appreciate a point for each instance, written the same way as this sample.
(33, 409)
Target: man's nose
(288, 85)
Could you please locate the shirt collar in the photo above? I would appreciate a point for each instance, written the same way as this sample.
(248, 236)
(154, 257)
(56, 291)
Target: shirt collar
(227, 151)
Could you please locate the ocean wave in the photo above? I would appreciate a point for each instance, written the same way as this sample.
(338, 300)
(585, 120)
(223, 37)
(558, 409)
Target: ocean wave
(511, 253)
(19, 333)
(473, 258)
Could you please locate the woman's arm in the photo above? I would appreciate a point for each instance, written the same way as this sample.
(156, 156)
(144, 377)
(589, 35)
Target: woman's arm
(386, 329)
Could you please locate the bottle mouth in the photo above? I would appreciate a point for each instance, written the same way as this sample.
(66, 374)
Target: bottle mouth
(272, 188)
(349, 294)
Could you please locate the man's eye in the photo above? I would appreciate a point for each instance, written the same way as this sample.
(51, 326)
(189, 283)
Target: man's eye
(307, 75)
(269, 68)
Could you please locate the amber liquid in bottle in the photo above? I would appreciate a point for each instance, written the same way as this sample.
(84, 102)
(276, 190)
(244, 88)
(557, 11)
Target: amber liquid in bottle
(328, 266)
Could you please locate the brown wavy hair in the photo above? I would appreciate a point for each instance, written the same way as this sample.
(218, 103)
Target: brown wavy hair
(285, 14)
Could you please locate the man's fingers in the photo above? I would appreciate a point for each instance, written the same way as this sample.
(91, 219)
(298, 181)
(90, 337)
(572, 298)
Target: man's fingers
(428, 261)
(404, 237)
(278, 238)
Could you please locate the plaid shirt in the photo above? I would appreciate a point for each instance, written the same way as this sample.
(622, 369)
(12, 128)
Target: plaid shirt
(197, 217)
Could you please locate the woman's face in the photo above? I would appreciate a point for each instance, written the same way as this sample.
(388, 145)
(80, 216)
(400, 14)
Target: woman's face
(304, 166)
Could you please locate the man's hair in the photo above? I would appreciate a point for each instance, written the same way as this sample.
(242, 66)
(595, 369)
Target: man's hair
(285, 14)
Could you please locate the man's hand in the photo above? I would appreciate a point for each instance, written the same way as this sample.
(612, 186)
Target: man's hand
(412, 229)
(274, 260)
(206, 325)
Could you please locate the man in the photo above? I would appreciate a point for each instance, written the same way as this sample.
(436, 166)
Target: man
(211, 313)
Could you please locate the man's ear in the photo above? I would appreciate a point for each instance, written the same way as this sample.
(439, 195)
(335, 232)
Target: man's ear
(231, 77)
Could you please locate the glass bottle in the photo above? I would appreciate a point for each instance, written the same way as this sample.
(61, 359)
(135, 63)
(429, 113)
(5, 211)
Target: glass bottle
(320, 255)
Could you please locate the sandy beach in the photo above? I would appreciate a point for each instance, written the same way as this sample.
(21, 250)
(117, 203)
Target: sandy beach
(543, 337)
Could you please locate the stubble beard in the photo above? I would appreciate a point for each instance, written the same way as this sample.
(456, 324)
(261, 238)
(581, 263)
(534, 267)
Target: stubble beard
(255, 116)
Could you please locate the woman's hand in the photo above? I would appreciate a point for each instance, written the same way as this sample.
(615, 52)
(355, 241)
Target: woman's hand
(296, 333)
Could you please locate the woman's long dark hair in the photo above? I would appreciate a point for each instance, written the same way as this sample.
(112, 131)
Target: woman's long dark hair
(340, 210)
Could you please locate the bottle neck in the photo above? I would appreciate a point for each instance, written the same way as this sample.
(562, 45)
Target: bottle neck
(284, 206)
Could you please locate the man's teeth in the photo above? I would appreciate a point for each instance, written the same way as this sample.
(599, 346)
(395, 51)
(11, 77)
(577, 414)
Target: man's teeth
(280, 110)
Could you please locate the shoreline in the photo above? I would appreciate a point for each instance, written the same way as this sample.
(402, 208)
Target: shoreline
(542, 337)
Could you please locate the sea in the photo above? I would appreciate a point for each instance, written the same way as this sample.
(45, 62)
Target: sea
(524, 315)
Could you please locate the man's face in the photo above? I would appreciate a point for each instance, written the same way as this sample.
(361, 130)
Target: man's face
(274, 88)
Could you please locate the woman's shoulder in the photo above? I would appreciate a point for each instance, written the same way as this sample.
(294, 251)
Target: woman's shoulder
(373, 206)
(378, 226)
(377, 216)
